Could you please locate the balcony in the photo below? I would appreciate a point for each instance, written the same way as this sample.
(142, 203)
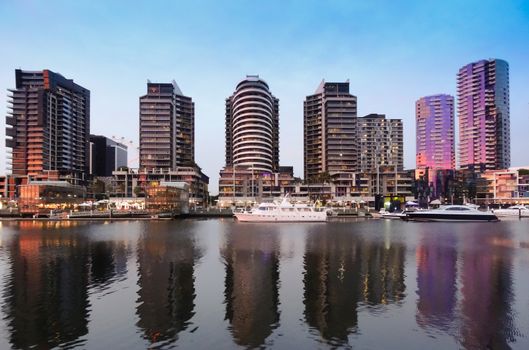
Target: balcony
(11, 121)
(11, 132)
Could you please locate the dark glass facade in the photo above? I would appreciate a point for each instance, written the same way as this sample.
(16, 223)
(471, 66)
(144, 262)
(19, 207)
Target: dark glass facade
(106, 156)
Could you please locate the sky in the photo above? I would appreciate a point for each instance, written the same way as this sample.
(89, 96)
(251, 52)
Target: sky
(392, 52)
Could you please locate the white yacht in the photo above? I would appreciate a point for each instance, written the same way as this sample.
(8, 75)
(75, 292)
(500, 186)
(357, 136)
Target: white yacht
(514, 211)
(451, 213)
(397, 214)
(283, 212)
(394, 215)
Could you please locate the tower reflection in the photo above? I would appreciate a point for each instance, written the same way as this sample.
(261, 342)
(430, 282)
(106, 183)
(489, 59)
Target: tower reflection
(166, 260)
(108, 262)
(480, 316)
(251, 285)
(382, 272)
(332, 284)
(487, 292)
(343, 270)
(46, 298)
(436, 258)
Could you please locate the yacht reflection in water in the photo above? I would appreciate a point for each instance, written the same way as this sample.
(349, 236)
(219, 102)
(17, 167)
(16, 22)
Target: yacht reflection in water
(166, 260)
(46, 297)
(251, 285)
(342, 271)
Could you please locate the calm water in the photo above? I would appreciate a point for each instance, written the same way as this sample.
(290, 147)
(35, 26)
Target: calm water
(218, 284)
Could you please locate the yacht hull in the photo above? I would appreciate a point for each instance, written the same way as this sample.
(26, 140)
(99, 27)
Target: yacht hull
(512, 213)
(305, 217)
(393, 216)
(450, 217)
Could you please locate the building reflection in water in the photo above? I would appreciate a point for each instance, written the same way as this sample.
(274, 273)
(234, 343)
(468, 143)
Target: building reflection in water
(436, 257)
(382, 273)
(482, 318)
(341, 271)
(487, 294)
(251, 285)
(332, 283)
(108, 262)
(46, 297)
(166, 260)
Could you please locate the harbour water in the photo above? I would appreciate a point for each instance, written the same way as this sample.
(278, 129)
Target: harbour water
(219, 284)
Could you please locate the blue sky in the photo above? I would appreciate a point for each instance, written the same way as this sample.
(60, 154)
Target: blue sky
(393, 52)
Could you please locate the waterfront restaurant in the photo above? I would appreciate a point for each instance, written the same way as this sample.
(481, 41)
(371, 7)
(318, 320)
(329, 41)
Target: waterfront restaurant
(167, 197)
(42, 197)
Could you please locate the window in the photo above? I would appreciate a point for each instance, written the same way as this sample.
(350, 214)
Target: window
(458, 208)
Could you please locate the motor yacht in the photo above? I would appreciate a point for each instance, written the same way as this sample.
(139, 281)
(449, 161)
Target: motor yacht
(397, 214)
(451, 213)
(394, 215)
(283, 212)
(514, 211)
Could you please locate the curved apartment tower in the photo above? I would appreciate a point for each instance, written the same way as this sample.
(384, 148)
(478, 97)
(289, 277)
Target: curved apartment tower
(483, 110)
(252, 126)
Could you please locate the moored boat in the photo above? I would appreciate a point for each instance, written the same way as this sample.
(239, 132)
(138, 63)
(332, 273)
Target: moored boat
(459, 213)
(394, 215)
(514, 211)
(397, 214)
(283, 212)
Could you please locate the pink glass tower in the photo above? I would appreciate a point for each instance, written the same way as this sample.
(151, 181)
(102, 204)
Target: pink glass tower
(483, 110)
(435, 134)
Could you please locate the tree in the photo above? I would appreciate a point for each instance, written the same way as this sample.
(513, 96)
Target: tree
(213, 199)
(138, 191)
(98, 187)
(324, 177)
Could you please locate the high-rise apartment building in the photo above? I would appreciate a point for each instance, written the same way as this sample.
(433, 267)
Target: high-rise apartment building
(252, 126)
(483, 110)
(167, 127)
(329, 130)
(48, 125)
(380, 143)
(435, 132)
